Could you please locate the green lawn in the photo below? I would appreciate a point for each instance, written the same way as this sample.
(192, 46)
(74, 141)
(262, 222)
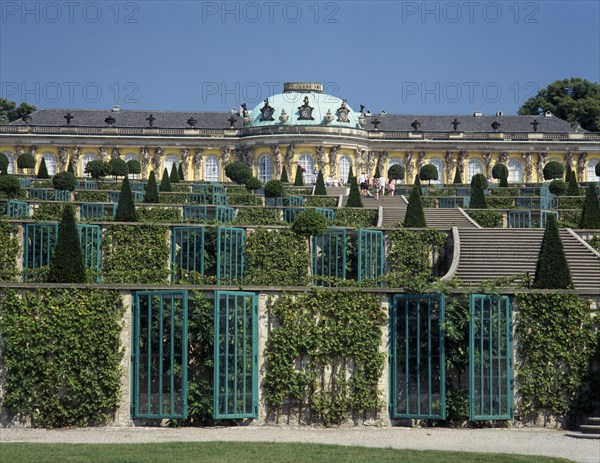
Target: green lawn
(238, 452)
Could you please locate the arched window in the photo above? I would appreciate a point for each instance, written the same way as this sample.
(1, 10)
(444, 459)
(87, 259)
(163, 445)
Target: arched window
(474, 167)
(344, 168)
(211, 169)
(395, 162)
(265, 168)
(439, 165)
(50, 163)
(591, 171)
(307, 162)
(515, 171)
(169, 162)
(11, 163)
(131, 157)
(87, 157)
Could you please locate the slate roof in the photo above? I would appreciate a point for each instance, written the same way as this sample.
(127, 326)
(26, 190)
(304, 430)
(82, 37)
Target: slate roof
(218, 120)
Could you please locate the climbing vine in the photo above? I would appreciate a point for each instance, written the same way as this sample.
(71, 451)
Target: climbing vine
(258, 216)
(358, 218)
(9, 250)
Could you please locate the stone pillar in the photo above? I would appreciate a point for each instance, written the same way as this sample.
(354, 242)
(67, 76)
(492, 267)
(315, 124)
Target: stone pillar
(276, 153)
(460, 164)
(333, 161)
(289, 158)
(263, 336)
(63, 158)
(123, 412)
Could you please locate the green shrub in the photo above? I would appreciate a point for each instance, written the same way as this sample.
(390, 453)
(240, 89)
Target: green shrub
(478, 184)
(9, 250)
(573, 188)
(500, 202)
(91, 196)
(321, 201)
(499, 170)
(552, 170)
(552, 269)
(557, 187)
(134, 166)
(284, 175)
(299, 181)
(151, 193)
(3, 164)
(354, 199)
(258, 216)
(70, 167)
(320, 185)
(253, 184)
(238, 172)
(597, 169)
(159, 214)
(118, 167)
(98, 169)
(396, 172)
(67, 262)
(274, 189)
(457, 177)
(165, 183)
(310, 223)
(64, 181)
(174, 176)
(125, 208)
(10, 187)
(590, 215)
(43, 170)
(357, 218)
(415, 217)
(26, 161)
(428, 172)
(487, 219)
(180, 172)
(504, 179)
(48, 211)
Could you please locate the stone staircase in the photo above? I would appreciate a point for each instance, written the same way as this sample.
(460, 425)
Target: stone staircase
(591, 430)
(493, 253)
(447, 218)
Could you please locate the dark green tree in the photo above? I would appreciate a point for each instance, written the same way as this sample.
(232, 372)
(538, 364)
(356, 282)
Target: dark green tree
(428, 172)
(10, 187)
(151, 194)
(98, 169)
(64, 181)
(574, 100)
(478, 184)
(284, 175)
(354, 199)
(180, 172)
(457, 177)
(377, 173)
(43, 170)
(396, 172)
(590, 214)
(126, 208)
(498, 170)
(70, 167)
(67, 264)
(9, 111)
(165, 183)
(415, 217)
(238, 172)
(597, 169)
(3, 164)
(568, 171)
(253, 184)
(320, 185)
(134, 166)
(299, 181)
(174, 177)
(119, 167)
(573, 187)
(350, 174)
(557, 187)
(310, 223)
(274, 189)
(26, 161)
(552, 170)
(552, 269)
(504, 179)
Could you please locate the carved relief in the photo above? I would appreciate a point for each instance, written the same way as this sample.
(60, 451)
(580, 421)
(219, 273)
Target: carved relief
(158, 151)
(502, 158)
(145, 156)
(409, 167)
(382, 159)
(115, 153)
(63, 157)
(185, 160)
(581, 166)
(420, 162)
(370, 162)
(289, 157)
(460, 161)
(197, 161)
(450, 165)
(102, 153)
(75, 153)
(333, 160)
(321, 158)
(276, 152)
(487, 164)
(540, 166)
(226, 155)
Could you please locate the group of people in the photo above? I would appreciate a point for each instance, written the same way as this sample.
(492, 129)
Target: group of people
(379, 186)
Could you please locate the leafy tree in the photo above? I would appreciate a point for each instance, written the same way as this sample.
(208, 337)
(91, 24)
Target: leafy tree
(396, 172)
(9, 111)
(151, 194)
(180, 172)
(557, 187)
(253, 184)
(354, 199)
(165, 183)
(573, 187)
(478, 184)
(126, 208)
(10, 186)
(504, 179)
(238, 172)
(70, 167)
(457, 177)
(274, 189)
(552, 269)
(98, 169)
(320, 185)
(574, 100)
(43, 170)
(174, 177)
(119, 167)
(309, 223)
(299, 181)
(3, 164)
(284, 175)
(590, 215)
(26, 161)
(64, 181)
(67, 264)
(498, 169)
(552, 170)
(415, 217)
(428, 172)
(134, 167)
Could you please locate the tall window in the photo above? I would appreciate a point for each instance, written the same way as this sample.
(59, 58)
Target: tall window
(211, 169)
(307, 162)
(344, 168)
(473, 168)
(515, 171)
(394, 162)
(50, 163)
(87, 157)
(439, 165)
(11, 163)
(265, 168)
(170, 161)
(591, 171)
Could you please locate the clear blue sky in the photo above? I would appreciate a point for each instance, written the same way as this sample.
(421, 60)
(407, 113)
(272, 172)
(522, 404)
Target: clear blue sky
(402, 57)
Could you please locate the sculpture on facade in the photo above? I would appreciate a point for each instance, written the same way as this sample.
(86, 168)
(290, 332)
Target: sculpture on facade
(145, 155)
(450, 165)
(487, 165)
(289, 157)
(102, 152)
(333, 160)
(158, 151)
(63, 157)
(581, 166)
(75, 154)
(321, 158)
(409, 168)
(460, 161)
(420, 163)
(225, 155)
(276, 153)
(115, 153)
(197, 161)
(540, 166)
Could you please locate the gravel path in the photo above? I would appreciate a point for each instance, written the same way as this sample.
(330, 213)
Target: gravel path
(527, 441)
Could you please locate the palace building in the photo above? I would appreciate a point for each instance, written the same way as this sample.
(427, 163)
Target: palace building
(303, 127)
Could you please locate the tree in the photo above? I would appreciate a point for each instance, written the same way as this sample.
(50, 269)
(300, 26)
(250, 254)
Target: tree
(134, 167)
(165, 183)
(573, 188)
(253, 184)
(457, 177)
(504, 179)
(396, 172)
(299, 181)
(568, 171)
(238, 172)
(98, 169)
(320, 185)
(478, 184)
(180, 172)
(151, 194)
(557, 187)
(415, 217)
(310, 223)
(118, 167)
(354, 199)
(284, 175)
(574, 100)
(377, 173)
(126, 208)
(9, 111)
(64, 181)
(274, 189)
(3, 164)
(500, 172)
(10, 187)
(590, 215)
(350, 173)
(70, 167)
(174, 177)
(43, 170)
(26, 161)
(428, 172)
(552, 269)
(552, 170)
(67, 264)
(597, 169)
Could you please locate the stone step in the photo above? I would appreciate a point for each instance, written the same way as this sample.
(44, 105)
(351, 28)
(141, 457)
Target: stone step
(590, 429)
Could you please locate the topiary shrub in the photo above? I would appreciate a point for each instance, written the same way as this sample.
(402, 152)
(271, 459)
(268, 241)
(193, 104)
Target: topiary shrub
(557, 187)
(377, 174)
(126, 207)
(274, 189)
(504, 179)
(457, 177)
(67, 263)
(552, 269)
(26, 161)
(552, 170)
(165, 183)
(597, 169)
(3, 164)
(354, 199)
(428, 172)
(151, 193)
(299, 181)
(64, 181)
(478, 184)
(174, 176)
(43, 170)
(180, 172)
(238, 172)
(590, 215)
(320, 185)
(284, 176)
(10, 187)
(415, 217)
(396, 172)
(70, 167)
(118, 167)
(499, 170)
(573, 187)
(350, 174)
(134, 167)
(253, 184)
(310, 223)
(98, 169)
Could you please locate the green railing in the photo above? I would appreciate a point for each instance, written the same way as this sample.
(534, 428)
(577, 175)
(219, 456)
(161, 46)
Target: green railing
(518, 219)
(490, 358)
(16, 209)
(199, 188)
(224, 214)
(62, 196)
(230, 255)
(235, 355)
(187, 252)
(329, 256)
(290, 214)
(39, 240)
(194, 213)
(90, 237)
(219, 199)
(417, 357)
(160, 351)
(371, 255)
(89, 211)
(329, 214)
(295, 200)
(40, 194)
(198, 198)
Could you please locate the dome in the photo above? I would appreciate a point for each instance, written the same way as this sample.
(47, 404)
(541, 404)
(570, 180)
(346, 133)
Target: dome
(304, 103)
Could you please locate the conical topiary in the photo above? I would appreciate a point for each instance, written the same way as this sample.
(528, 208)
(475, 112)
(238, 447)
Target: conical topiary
(298, 181)
(573, 187)
(354, 199)
(67, 263)
(568, 171)
(126, 207)
(320, 185)
(70, 167)
(284, 175)
(43, 170)
(552, 270)
(415, 217)
(478, 184)
(165, 184)
(350, 173)
(174, 177)
(377, 173)
(457, 177)
(590, 215)
(151, 195)
(180, 172)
